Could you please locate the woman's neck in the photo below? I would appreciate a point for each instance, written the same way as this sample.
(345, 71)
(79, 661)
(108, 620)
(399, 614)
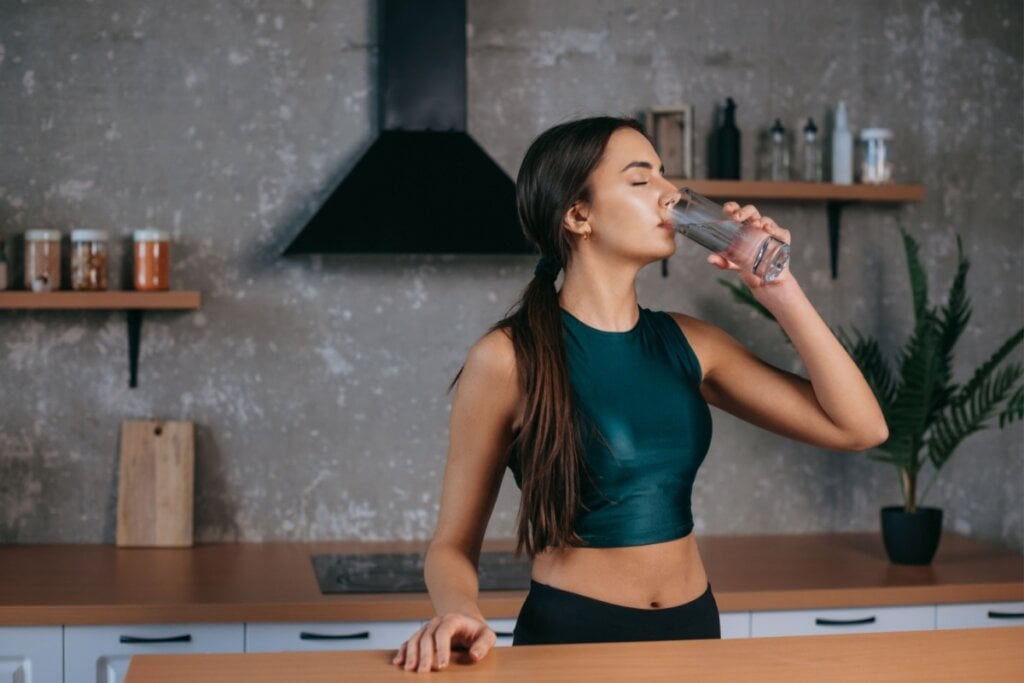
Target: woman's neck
(604, 298)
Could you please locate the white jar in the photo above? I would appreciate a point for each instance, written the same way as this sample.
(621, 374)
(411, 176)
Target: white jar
(876, 156)
(89, 260)
(42, 260)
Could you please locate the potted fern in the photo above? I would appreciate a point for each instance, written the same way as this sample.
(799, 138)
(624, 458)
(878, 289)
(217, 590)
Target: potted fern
(929, 415)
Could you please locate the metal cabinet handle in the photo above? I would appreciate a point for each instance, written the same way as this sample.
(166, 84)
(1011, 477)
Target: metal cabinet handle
(992, 614)
(361, 635)
(844, 622)
(136, 640)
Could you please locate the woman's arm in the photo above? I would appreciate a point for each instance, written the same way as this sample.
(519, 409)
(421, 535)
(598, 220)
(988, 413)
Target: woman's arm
(836, 409)
(480, 430)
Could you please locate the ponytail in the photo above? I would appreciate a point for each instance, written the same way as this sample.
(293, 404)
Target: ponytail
(554, 176)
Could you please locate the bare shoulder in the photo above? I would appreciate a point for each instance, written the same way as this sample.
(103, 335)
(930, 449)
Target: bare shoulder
(492, 356)
(710, 343)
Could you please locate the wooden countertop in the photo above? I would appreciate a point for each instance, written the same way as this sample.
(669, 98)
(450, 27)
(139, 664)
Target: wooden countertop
(103, 584)
(982, 654)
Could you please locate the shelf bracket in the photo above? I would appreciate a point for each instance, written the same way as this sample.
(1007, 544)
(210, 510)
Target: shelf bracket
(134, 332)
(834, 209)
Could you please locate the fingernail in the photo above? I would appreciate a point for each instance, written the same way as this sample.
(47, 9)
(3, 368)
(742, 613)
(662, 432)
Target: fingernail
(442, 662)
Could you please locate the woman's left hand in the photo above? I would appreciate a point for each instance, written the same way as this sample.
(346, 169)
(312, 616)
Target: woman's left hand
(751, 216)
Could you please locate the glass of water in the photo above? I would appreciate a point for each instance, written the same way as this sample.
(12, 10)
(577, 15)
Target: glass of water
(749, 247)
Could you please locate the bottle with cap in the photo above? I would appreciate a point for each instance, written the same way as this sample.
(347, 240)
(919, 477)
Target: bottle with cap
(780, 153)
(42, 260)
(876, 160)
(727, 144)
(89, 260)
(842, 149)
(812, 153)
(152, 260)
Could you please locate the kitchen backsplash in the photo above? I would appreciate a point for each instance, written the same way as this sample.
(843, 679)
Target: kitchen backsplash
(318, 384)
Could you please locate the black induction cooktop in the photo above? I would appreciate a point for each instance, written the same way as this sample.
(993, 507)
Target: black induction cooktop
(403, 572)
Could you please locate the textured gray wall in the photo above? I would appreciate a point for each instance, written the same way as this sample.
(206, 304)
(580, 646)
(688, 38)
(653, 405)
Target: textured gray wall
(318, 385)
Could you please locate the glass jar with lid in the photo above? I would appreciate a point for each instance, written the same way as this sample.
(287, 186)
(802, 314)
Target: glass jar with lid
(42, 260)
(152, 257)
(876, 156)
(89, 260)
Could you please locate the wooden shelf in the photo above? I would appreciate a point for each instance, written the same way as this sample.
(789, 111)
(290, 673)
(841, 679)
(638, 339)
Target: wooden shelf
(798, 191)
(835, 198)
(131, 302)
(125, 300)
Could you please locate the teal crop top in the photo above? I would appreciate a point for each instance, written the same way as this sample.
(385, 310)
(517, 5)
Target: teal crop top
(645, 426)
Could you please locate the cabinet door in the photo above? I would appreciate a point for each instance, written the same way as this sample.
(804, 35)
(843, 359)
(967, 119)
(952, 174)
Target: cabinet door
(980, 615)
(735, 624)
(832, 621)
(31, 654)
(503, 628)
(101, 654)
(328, 635)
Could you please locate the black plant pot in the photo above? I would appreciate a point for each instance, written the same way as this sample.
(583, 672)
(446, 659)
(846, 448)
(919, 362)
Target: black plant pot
(911, 538)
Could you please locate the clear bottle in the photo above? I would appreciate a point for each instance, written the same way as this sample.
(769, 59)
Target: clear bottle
(780, 153)
(876, 158)
(42, 260)
(89, 260)
(3, 265)
(812, 153)
(842, 149)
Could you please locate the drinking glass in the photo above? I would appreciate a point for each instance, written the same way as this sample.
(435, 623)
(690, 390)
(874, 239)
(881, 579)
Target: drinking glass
(749, 247)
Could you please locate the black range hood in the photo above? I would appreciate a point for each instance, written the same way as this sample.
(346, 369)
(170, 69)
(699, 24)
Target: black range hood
(424, 186)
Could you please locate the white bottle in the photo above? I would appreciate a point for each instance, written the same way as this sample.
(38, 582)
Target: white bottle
(842, 149)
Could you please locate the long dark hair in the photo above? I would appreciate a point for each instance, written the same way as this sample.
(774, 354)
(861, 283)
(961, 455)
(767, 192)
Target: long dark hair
(554, 175)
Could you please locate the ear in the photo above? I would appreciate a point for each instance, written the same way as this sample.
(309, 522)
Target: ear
(577, 219)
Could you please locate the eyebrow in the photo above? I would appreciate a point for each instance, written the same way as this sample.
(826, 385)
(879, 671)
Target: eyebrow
(641, 164)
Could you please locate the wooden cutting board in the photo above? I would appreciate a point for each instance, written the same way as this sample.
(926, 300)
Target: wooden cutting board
(154, 497)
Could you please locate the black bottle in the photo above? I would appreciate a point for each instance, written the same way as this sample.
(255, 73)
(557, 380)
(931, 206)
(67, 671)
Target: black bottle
(727, 144)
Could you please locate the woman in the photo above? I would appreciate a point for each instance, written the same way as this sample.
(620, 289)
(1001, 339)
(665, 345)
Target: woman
(599, 408)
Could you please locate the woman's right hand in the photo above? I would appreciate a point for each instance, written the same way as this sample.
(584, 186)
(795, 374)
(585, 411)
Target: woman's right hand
(429, 648)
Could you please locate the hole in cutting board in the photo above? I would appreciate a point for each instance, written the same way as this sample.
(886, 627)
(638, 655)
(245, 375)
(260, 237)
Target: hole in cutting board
(158, 431)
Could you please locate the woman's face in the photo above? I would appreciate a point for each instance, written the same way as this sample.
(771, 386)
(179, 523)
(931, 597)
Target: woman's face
(628, 214)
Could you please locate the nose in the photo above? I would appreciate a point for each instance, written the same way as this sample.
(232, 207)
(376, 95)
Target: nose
(670, 195)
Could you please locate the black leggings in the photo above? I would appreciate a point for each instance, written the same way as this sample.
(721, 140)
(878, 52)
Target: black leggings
(551, 616)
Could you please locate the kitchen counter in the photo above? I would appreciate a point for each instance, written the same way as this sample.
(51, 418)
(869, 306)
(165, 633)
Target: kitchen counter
(252, 582)
(955, 655)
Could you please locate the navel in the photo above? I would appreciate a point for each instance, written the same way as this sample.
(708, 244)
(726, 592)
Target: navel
(654, 604)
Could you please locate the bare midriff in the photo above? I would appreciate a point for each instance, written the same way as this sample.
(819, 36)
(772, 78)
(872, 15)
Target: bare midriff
(652, 576)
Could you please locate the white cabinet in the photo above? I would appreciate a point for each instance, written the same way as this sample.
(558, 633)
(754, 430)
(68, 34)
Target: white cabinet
(735, 624)
(31, 654)
(980, 615)
(328, 635)
(101, 654)
(831, 621)
(503, 628)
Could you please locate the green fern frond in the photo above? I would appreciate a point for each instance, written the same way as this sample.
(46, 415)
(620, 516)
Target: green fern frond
(1014, 409)
(918, 277)
(986, 368)
(971, 414)
(953, 319)
(867, 355)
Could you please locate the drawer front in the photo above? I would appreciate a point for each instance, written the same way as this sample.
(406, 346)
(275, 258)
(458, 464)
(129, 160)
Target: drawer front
(832, 621)
(980, 615)
(31, 654)
(735, 624)
(328, 635)
(102, 653)
(503, 628)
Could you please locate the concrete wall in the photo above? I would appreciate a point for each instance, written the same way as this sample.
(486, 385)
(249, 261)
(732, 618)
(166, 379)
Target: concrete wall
(318, 384)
